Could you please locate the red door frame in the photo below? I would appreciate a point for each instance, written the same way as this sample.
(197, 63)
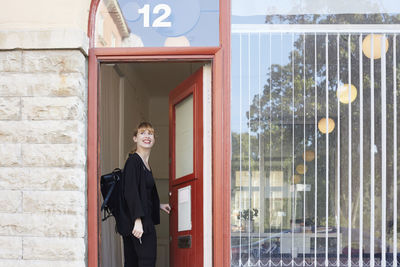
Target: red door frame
(220, 57)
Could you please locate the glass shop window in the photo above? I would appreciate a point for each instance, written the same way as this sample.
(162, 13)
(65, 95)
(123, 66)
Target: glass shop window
(315, 134)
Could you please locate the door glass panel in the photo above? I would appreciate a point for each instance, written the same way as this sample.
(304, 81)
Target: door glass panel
(184, 137)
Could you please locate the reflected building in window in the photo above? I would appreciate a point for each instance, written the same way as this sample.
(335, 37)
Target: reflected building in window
(112, 29)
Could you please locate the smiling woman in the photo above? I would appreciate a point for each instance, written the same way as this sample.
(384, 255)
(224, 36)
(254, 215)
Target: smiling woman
(142, 200)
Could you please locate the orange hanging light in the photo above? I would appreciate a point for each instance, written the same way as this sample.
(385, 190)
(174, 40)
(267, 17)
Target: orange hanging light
(377, 49)
(322, 125)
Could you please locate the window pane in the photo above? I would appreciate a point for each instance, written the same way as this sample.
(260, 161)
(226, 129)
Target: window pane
(314, 168)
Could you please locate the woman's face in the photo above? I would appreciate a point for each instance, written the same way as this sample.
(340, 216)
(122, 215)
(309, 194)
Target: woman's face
(144, 139)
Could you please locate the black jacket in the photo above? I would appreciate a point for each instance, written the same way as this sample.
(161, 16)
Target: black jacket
(134, 188)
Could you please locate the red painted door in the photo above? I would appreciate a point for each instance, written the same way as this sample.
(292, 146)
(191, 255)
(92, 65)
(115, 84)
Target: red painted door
(186, 172)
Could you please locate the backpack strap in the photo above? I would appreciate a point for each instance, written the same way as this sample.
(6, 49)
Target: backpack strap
(116, 179)
(107, 197)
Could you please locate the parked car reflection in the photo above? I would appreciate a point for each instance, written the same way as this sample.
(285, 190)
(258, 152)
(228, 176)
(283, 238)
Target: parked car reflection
(289, 247)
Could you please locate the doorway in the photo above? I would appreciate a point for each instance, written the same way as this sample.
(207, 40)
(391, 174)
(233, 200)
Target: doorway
(128, 94)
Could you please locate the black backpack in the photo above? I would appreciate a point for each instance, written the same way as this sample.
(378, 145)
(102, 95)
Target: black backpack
(109, 186)
(114, 204)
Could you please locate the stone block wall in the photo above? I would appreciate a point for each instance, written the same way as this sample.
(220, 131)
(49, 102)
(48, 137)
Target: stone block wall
(43, 126)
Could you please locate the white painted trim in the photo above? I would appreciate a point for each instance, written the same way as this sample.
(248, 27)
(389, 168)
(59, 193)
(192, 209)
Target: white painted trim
(315, 28)
(207, 166)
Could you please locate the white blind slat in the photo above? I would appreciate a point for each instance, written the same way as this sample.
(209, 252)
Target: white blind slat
(240, 148)
(372, 207)
(293, 155)
(394, 153)
(315, 146)
(304, 143)
(349, 149)
(261, 173)
(361, 76)
(338, 157)
(249, 146)
(270, 145)
(326, 147)
(383, 141)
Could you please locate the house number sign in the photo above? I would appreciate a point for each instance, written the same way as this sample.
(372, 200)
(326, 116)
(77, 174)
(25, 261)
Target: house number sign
(161, 21)
(180, 22)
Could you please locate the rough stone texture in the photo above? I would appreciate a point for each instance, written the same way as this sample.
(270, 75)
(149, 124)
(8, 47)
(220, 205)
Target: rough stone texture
(41, 263)
(11, 84)
(42, 84)
(10, 154)
(10, 108)
(62, 202)
(52, 108)
(10, 247)
(42, 225)
(43, 179)
(54, 155)
(10, 201)
(43, 156)
(42, 132)
(11, 61)
(53, 61)
(53, 248)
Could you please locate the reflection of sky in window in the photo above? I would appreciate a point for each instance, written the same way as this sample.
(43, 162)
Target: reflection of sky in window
(197, 20)
(251, 62)
(254, 12)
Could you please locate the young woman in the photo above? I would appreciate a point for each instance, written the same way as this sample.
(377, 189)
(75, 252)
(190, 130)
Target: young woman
(140, 248)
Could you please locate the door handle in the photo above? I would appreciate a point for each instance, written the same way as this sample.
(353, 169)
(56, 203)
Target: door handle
(170, 193)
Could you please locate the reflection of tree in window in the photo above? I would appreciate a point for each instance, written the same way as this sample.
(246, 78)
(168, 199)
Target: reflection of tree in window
(282, 122)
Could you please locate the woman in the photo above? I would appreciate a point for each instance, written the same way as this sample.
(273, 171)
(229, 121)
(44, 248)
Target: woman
(140, 248)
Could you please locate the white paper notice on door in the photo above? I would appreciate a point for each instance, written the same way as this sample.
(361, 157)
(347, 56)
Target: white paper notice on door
(184, 209)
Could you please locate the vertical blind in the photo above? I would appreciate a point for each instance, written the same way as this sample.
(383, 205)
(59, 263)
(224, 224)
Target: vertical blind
(314, 149)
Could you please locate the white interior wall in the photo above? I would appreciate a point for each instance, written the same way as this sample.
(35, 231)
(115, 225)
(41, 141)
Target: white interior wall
(124, 103)
(109, 156)
(136, 104)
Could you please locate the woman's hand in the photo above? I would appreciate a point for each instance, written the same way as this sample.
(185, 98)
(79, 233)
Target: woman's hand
(165, 207)
(138, 228)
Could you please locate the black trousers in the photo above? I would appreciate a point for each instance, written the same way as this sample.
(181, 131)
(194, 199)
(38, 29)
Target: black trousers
(141, 254)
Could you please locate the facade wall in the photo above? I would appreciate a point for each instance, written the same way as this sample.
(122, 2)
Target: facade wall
(44, 14)
(43, 126)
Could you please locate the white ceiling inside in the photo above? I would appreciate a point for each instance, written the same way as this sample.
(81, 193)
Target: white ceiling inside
(161, 77)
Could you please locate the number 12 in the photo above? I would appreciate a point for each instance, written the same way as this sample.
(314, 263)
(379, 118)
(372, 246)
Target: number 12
(159, 21)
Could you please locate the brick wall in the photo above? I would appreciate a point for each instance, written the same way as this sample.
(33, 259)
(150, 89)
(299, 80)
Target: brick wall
(43, 157)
